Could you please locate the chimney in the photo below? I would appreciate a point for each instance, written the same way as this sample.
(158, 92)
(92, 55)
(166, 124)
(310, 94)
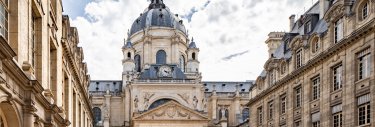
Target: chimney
(292, 19)
(323, 6)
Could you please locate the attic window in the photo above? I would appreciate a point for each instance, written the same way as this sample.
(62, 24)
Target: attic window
(205, 84)
(97, 88)
(114, 83)
(308, 27)
(223, 85)
(97, 82)
(206, 90)
(241, 85)
(243, 90)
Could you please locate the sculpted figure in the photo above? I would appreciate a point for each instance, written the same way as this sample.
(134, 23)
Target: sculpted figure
(195, 102)
(136, 102)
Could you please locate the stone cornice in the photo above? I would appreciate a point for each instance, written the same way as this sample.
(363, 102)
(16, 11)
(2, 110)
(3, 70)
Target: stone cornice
(5, 50)
(321, 57)
(75, 74)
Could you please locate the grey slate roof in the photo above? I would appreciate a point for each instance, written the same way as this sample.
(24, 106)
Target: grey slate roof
(102, 85)
(157, 15)
(128, 44)
(228, 86)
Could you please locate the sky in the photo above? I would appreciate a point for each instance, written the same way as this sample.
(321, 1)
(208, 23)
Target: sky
(229, 33)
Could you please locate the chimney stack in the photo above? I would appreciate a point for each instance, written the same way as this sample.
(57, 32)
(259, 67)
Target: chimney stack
(292, 19)
(323, 6)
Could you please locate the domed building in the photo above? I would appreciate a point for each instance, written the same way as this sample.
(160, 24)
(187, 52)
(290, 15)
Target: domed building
(161, 81)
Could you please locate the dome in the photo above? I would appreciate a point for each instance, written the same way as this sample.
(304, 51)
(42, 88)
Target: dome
(157, 14)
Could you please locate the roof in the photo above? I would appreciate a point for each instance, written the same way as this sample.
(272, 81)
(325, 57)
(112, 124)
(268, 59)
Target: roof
(228, 86)
(157, 14)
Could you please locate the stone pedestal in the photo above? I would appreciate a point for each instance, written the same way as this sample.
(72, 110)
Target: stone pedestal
(106, 122)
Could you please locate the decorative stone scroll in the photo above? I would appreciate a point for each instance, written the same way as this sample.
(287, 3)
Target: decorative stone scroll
(147, 99)
(184, 97)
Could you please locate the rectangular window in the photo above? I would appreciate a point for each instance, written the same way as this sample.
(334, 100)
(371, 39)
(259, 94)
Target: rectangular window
(337, 120)
(283, 105)
(260, 116)
(315, 119)
(298, 97)
(4, 19)
(364, 115)
(337, 77)
(364, 64)
(315, 88)
(299, 58)
(33, 40)
(270, 110)
(308, 27)
(298, 124)
(339, 30)
(272, 77)
(316, 124)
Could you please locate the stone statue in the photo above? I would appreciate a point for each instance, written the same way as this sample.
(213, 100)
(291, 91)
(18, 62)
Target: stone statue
(136, 102)
(204, 102)
(222, 110)
(195, 102)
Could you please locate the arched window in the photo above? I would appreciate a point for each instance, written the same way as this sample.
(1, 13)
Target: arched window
(97, 114)
(158, 103)
(245, 114)
(129, 55)
(161, 57)
(182, 63)
(137, 59)
(193, 55)
(315, 45)
(364, 10)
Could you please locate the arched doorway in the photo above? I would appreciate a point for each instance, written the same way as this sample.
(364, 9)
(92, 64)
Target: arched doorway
(9, 116)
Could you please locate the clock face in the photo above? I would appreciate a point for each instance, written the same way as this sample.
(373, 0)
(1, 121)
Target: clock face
(165, 71)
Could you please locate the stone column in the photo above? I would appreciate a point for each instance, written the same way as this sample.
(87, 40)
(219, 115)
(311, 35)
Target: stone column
(237, 106)
(214, 104)
(107, 109)
(128, 104)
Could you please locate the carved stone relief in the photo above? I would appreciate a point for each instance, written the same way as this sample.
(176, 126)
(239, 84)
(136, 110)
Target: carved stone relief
(147, 99)
(185, 97)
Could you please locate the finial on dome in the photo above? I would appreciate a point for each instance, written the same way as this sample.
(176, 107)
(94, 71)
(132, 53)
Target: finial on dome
(156, 4)
(192, 43)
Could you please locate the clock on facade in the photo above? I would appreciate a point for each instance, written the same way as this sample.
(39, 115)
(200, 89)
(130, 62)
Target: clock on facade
(165, 71)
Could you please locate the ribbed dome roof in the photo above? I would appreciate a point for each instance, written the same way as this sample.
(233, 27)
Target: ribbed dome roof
(157, 14)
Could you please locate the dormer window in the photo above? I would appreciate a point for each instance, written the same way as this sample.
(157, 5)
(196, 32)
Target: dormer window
(308, 27)
(299, 58)
(339, 30)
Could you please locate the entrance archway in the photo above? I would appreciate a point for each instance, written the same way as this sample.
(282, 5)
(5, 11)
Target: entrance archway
(9, 116)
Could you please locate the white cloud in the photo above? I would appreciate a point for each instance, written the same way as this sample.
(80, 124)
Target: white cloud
(223, 28)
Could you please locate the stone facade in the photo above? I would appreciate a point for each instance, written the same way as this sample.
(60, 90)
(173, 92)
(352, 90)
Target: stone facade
(43, 81)
(161, 82)
(322, 73)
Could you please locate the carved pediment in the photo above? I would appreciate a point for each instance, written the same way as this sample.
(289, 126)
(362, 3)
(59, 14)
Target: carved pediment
(171, 111)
